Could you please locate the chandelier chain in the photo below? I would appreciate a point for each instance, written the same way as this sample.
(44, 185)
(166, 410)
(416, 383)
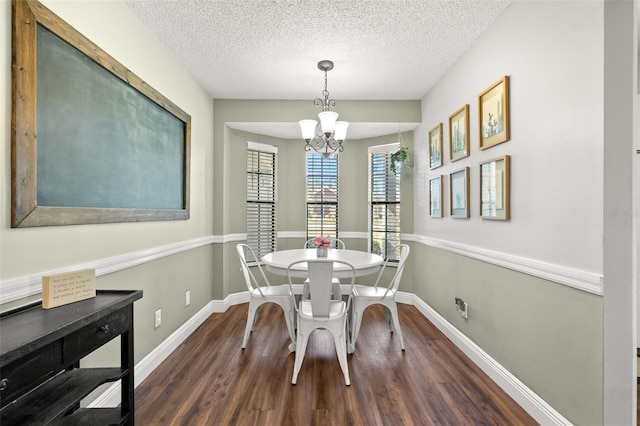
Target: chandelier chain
(327, 104)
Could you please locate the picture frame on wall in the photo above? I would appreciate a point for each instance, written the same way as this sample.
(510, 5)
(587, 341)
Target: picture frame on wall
(495, 188)
(435, 196)
(459, 133)
(459, 194)
(435, 147)
(493, 114)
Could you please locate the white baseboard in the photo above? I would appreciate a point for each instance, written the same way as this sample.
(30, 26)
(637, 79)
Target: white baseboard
(525, 397)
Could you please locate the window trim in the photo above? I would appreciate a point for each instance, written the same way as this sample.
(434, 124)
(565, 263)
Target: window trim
(376, 149)
(268, 149)
(334, 203)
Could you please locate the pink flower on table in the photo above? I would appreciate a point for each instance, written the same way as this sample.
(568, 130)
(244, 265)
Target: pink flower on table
(322, 242)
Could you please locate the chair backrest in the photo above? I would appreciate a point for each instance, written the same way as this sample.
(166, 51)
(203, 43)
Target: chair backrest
(320, 274)
(395, 281)
(335, 243)
(404, 254)
(246, 254)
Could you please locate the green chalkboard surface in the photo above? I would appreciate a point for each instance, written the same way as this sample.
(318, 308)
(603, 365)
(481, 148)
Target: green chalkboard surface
(100, 142)
(92, 142)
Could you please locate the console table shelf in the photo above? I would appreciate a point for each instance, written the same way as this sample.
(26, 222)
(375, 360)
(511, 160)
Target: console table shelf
(41, 380)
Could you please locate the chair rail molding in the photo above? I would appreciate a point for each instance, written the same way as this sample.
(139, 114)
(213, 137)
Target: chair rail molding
(30, 285)
(581, 280)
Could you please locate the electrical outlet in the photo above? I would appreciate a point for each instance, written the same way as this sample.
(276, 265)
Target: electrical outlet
(462, 307)
(187, 298)
(158, 317)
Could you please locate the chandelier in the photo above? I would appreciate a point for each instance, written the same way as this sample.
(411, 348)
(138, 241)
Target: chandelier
(325, 137)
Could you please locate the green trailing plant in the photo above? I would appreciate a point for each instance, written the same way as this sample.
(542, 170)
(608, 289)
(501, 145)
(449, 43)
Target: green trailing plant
(400, 156)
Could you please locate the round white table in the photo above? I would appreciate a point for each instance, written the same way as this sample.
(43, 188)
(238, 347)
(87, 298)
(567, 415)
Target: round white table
(364, 263)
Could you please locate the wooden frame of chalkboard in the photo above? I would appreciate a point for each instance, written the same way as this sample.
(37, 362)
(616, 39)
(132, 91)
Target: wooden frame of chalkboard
(91, 142)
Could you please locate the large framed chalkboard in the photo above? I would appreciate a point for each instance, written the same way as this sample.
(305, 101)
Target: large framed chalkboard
(91, 141)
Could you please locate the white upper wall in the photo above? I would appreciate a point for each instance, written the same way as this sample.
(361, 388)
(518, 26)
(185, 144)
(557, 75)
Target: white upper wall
(553, 54)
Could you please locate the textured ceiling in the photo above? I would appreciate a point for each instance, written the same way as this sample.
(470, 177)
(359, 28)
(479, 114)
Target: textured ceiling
(268, 49)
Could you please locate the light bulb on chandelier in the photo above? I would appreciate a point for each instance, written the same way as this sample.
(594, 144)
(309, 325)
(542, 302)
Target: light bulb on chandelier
(324, 137)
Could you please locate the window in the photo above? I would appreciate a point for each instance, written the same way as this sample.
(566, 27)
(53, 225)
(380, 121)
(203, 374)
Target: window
(384, 203)
(322, 196)
(261, 198)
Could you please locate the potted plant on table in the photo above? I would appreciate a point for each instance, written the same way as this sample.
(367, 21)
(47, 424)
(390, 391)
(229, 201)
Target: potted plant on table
(322, 244)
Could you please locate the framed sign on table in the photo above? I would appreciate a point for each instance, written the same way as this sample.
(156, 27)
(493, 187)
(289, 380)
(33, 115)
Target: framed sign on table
(493, 114)
(495, 188)
(459, 193)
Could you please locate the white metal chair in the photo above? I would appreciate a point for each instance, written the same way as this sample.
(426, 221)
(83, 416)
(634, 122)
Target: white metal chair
(365, 296)
(320, 311)
(335, 288)
(266, 293)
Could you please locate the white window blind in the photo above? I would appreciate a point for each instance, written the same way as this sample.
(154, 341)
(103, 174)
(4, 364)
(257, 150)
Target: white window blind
(384, 203)
(261, 199)
(322, 196)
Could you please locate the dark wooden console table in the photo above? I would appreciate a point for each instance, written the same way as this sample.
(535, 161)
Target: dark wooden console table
(41, 381)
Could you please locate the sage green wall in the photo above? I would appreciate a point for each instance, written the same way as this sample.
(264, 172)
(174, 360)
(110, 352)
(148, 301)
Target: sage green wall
(230, 172)
(236, 201)
(229, 111)
(29, 252)
(547, 335)
(360, 196)
(291, 198)
(164, 283)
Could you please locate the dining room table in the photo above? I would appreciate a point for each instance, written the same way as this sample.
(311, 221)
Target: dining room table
(364, 263)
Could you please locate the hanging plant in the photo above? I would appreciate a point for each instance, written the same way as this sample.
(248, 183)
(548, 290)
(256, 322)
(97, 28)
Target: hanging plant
(398, 158)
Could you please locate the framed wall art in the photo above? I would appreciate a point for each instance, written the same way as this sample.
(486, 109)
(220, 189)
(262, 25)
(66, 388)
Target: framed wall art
(435, 147)
(493, 114)
(459, 193)
(91, 141)
(435, 196)
(495, 188)
(459, 134)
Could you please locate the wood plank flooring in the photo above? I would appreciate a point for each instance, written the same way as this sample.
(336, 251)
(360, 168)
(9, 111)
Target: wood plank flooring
(210, 380)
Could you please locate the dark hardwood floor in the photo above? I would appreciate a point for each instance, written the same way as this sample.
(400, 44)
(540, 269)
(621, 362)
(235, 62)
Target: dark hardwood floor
(210, 380)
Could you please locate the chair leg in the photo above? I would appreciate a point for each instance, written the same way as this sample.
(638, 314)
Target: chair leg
(251, 317)
(341, 349)
(305, 290)
(336, 291)
(396, 323)
(356, 321)
(387, 314)
(347, 330)
(289, 319)
(301, 348)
